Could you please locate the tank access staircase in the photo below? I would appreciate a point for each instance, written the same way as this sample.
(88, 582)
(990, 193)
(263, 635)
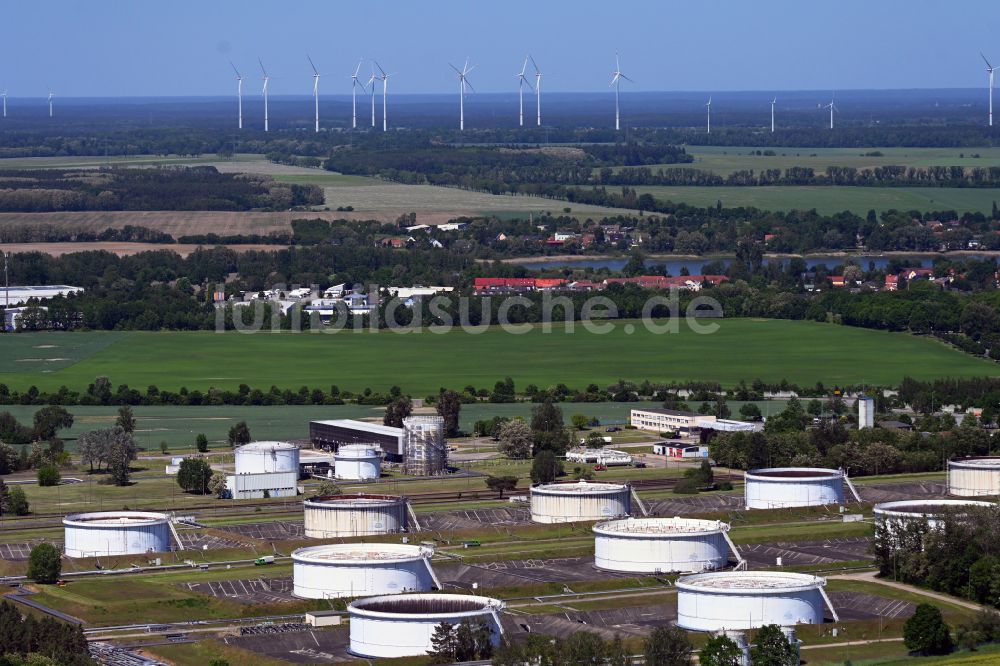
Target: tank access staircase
(639, 502)
(413, 517)
(829, 604)
(850, 486)
(741, 564)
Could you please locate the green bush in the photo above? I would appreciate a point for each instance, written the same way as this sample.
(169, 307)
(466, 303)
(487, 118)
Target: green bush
(45, 563)
(48, 475)
(687, 486)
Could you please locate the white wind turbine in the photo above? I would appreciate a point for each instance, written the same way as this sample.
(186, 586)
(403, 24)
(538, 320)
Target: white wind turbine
(773, 102)
(267, 80)
(354, 95)
(4, 102)
(239, 95)
(708, 109)
(538, 92)
(385, 97)
(832, 107)
(50, 103)
(315, 88)
(371, 84)
(616, 81)
(521, 82)
(990, 69)
(463, 81)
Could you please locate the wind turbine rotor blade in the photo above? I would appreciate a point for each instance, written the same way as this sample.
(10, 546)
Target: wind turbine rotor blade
(626, 78)
(313, 65)
(457, 71)
(466, 81)
(358, 68)
(235, 70)
(379, 67)
(524, 67)
(469, 69)
(988, 65)
(533, 64)
(264, 71)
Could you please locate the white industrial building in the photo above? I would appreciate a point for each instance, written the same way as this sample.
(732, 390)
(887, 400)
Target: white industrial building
(579, 501)
(362, 570)
(784, 487)
(662, 545)
(332, 434)
(608, 457)
(734, 600)
(14, 296)
(425, 450)
(336, 516)
(928, 511)
(667, 420)
(402, 626)
(107, 533)
(866, 413)
(974, 477)
(265, 468)
(357, 462)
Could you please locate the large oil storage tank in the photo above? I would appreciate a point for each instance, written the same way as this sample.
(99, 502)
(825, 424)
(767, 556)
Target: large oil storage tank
(731, 600)
(782, 487)
(402, 625)
(267, 458)
(334, 516)
(425, 452)
(974, 477)
(357, 462)
(661, 545)
(929, 510)
(108, 533)
(579, 501)
(361, 570)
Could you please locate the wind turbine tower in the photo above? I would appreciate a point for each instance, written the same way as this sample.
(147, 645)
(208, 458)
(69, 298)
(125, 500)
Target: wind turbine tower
(50, 104)
(315, 89)
(385, 97)
(463, 81)
(354, 95)
(708, 109)
(267, 80)
(773, 102)
(521, 81)
(832, 107)
(616, 82)
(371, 84)
(4, 102)
(538, 92)
(239, 96)
(989, 69)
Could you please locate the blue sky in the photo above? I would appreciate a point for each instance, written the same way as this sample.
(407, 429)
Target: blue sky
(181, 47)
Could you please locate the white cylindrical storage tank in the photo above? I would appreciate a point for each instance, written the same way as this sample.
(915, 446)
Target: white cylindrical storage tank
(731, 600)
(108, 533)
(929, 510)
(357, 462)
(361, 570)
(660, 545)
(579, 501)
(267, 457)
(973, 477)
(354, 515)
(402, 625)
(782, 487)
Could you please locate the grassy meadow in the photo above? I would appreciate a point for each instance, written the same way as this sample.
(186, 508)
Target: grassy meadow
(422, 362)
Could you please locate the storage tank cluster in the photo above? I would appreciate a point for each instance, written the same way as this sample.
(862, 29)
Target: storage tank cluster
(107, 533)
(402, 625)
(357, 462)
(784, 487)
(333, 516)
(974, 477)
(270, 468)
(733, 600)
(661, 545)
(356, 569)
(929, 510)
(425, 450)
(579, 501)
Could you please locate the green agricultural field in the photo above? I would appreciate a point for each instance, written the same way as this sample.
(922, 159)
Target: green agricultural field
(832, 199)
(422, 362)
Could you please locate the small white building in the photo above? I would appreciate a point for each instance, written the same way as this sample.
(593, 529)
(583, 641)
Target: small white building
(609, 457)
(866, 413)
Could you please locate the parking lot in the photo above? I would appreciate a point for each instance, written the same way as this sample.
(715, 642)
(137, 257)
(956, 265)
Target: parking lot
(300, 647)
(863, 606)
(18, 552)
(801, 553)
(891, 492)
(683, 506)
(277, 530)
(509, 573)
(246, 591)
(624, 622)
(474, 518)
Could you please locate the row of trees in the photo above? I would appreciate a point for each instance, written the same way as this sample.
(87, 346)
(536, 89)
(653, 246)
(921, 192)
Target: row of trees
(21, 636)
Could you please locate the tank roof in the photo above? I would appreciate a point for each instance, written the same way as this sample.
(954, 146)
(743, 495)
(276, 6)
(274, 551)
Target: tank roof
(349, 500)
(927, 506)
(795, 472)
(263, 446)
(762, 581)
(357, 451)
(115, 518)
(360, 552)
(989, 462)
(580, 487)
(425, 604)
(653, 527)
